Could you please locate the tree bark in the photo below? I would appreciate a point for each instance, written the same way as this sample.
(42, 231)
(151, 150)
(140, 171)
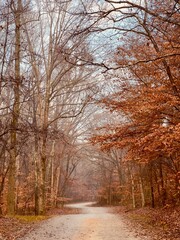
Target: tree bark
(163, 190)
(152, 187)
(15, 117)
(133, 191)
(141, 188)
(142, 192)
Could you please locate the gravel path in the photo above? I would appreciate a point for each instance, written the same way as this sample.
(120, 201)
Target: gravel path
(94, 223)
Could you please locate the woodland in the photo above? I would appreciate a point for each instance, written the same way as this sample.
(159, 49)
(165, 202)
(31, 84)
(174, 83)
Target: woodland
(89, 103)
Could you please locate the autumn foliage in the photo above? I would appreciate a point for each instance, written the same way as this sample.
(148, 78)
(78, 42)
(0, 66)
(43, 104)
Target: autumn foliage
(148, 100)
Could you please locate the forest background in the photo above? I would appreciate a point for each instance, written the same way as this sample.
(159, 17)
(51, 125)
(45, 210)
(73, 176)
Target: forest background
(89, 103)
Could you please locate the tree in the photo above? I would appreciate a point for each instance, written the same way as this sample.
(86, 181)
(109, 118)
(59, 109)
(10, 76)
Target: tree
(49, 93)
(16, 10)
(149, 94)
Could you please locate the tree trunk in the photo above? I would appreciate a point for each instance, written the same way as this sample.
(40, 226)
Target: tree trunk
(133, 191)
(36, 185)
(141, 188)
(142, 192)
(2, 185)
(52, 175)
(157, 183)
(152, 187)
(57, 184)
(42, 195)
(163, 190)
(42, 189)
(11, 196)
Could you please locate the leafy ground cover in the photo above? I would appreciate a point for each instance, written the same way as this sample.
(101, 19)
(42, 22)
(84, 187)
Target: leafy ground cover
(12, 228)
(158, 224)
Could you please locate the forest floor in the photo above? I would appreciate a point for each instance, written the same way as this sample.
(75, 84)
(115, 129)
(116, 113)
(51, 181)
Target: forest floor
(12, 228)
(146, 223)
(158, 223)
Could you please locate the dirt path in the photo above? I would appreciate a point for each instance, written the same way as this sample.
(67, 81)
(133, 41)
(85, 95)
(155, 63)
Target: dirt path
(94, 223)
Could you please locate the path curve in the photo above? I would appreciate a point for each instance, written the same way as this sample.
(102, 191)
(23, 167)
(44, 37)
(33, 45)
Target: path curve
(94, 223)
